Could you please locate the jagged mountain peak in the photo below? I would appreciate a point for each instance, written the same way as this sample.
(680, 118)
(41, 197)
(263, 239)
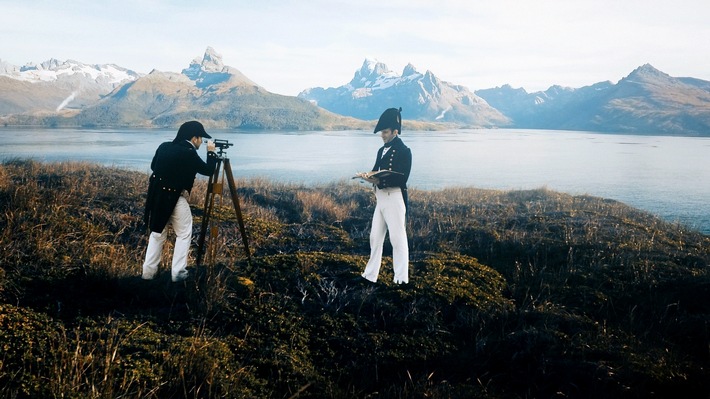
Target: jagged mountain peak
(50, 64)
(559, 89)
(647, 73)
(372, 68)
(371, 71)
(372, 65)
(8, 69)
(409, 70)
(211, 62)
(647, 68)
(211, 71)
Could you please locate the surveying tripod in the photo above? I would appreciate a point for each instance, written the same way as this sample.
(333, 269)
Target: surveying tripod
(223, 170)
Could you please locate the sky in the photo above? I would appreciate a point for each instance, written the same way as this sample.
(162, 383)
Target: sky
(288, 46)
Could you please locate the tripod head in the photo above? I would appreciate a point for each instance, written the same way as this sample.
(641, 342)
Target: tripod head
(222, 145)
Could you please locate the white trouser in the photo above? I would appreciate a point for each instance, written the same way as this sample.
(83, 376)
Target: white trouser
(181, 221)
(389, 215)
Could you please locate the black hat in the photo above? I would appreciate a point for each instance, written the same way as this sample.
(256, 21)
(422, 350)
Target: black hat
(191, 129)
(390, 119)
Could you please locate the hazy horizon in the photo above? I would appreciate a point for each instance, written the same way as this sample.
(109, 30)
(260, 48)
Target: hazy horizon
(287, 47)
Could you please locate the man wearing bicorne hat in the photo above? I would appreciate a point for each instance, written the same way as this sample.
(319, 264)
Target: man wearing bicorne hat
(175, 165)
(391, 195)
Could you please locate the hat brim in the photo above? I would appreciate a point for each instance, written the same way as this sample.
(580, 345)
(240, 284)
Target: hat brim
(390, 119)
(379, 129)
(384, 125)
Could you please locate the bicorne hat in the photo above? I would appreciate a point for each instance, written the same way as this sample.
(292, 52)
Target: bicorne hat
(191, 129)
(390, 119)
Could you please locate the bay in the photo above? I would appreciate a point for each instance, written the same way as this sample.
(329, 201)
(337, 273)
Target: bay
(667, 176)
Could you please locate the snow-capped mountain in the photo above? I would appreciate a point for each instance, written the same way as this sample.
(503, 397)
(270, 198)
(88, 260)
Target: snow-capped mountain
(422, 96)
(373, 75)
(210, 70)
(55, 70)
(219, 96)
(55, 85)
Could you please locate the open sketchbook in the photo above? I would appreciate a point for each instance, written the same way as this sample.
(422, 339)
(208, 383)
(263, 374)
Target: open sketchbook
(376, 174)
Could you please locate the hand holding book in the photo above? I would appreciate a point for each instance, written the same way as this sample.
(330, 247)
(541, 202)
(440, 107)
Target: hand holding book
(375, 175)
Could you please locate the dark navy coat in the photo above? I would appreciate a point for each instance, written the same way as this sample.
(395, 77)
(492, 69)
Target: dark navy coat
(399, 159)
(175, 165)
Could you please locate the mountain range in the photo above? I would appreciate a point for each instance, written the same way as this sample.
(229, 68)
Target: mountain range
(645, 101)
(422, 96)
(72, 94)
(219, 96)
(54, 85)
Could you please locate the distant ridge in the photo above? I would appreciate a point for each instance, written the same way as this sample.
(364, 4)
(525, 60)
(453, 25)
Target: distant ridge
(646, 101)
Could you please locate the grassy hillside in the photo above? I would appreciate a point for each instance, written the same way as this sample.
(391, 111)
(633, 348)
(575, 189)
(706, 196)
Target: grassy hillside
(522, 294)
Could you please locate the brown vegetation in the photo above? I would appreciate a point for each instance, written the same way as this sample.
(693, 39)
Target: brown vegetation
(515, 294)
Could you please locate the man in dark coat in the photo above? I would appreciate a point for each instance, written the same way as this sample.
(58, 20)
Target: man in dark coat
(175, 165)
(391, 195)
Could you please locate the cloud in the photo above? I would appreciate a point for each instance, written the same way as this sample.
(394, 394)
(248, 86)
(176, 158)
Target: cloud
(67, 101)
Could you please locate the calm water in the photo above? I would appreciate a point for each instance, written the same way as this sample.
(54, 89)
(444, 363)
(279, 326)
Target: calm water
(668, 176)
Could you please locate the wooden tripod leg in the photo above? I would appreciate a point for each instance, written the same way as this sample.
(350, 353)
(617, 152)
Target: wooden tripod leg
(209, 205)
(237, 208)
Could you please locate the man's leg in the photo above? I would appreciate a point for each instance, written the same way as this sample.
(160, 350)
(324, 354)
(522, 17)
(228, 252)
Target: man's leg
(377, 240)
(152, 254)
(395, 217)
(181, 220)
